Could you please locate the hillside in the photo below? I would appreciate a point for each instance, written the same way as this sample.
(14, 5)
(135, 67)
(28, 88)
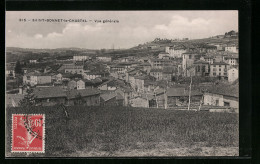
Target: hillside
(110, 131)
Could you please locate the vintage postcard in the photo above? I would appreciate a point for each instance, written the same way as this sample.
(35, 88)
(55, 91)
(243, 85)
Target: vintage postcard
(122, 83)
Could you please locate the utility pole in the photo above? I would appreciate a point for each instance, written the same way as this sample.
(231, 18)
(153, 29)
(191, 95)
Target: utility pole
(190, 93)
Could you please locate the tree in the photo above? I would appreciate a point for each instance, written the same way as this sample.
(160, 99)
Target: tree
(18, 68)
(28, 99)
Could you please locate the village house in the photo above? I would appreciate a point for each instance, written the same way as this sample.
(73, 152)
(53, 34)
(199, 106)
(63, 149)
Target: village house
(33, 61)
(157, 73)
(176, 51)
(188, 59)
(223, 95)
(146, 67)
(219, 69)
(71, 68)
(91, 75)
(231, 49)
(111, 99)
(111, 85)
(160, 63)
(104, 58)
(140, 101)
(80, 84)
(80, 57)
(180, 97)
(231, 59)
(133, 72)
(163, 55)
(232, 74)
(49, 96)
(10, 71)
(86, 97)
(126, 92)
(57, 78)
(150, 86)
(201, 68)
(209, 59)
(34, 78)
(119, 69)
(206, 48)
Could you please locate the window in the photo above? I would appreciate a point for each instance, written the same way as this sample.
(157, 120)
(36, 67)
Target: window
(217, 102)
(219, 69)
(214, 69)
(189, 56)
(214, 73)
(214, 65)
(226, 103)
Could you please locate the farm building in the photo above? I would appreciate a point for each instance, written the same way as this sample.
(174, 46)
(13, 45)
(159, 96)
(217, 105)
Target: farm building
(180, 97)
(48, 96)
(224, 95)
(87, 97)
(111, 99)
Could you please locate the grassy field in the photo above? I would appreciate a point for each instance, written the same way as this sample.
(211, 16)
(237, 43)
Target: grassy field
(95, 131)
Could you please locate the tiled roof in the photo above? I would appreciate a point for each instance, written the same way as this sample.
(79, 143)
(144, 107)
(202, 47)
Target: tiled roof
(201, 62)
(219, 63)
(175, 92)
(156, 70)
(48, 92)
(227, 90)
(83, 93)
(108, 96)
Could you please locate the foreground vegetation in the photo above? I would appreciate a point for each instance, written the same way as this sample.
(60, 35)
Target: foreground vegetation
(110, 131)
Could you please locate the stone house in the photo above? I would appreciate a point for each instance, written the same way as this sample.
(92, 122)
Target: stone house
(86, 97)
(223, 95)
(49, 96)
(80, 84)
(232, 74)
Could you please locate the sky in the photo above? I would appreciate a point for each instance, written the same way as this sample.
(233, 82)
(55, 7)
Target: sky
(132, 28)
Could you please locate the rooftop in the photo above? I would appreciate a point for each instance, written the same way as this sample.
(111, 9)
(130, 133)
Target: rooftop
(227, 90)
(49, 92)
(175, 92)
(83, 93)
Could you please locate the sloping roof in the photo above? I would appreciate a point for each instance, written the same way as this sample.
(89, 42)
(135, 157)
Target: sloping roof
(109, 95)
(13, 99)
(48, 92)
(83, 93)
(233, 56)
(219, 63)
(36, 74)
(125, 89)
(176, 92)
(227, 90)
(156, 70)
(200, 62)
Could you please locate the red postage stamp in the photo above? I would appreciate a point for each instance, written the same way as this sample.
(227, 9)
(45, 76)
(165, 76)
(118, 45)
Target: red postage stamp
(28, 132)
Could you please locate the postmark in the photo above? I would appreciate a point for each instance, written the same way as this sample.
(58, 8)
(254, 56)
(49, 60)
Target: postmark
(28, 133)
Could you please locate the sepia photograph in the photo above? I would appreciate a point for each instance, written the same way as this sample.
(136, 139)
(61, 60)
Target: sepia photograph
(122, 83)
